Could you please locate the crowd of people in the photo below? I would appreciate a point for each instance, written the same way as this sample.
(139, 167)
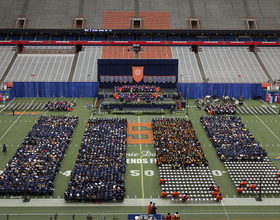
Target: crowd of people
(220, 109)
(33, 167)
(177, 144)
(135, 96)
(98, 174)
(60, 106)
(232, 140)
(137, 88)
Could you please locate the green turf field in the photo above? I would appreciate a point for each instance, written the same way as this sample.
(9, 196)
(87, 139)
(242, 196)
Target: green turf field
(142, 173)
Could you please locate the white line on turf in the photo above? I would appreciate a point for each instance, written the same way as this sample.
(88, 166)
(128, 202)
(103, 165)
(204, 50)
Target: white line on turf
(14, 122)
(142, 180)
(9, 103)
(225, 209)
(265, 125)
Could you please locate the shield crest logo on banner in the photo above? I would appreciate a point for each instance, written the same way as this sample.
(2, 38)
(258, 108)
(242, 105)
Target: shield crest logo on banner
(145, 79)
(125, 79)
(130, 79)
(159, 79)
(89, 106)
(150, 79)
(102, 79)
(121, 79)
(164, 79)
(168, 79)
(154, 79)
(107, 79)
(173, 79)
(116, 79)
(111, 79)
(137, 73)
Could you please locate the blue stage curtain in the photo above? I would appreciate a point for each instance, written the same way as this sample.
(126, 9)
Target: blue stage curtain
(198, 90)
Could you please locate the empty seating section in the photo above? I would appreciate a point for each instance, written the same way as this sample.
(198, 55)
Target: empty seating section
(145, 38)
(86, 67)
(6, 55)
(188, 70)
(231, 65)
(114, 38)
(2, 36)
(252, 171)
(271, 60)
(128, 38)
(229, 37)
(98, 174)
(244, 39)
(159, 38)
(27, 37)
(155, 53)
(13, 37)
(117, 52)
(151, 19)
(187, 38)
(101, 38)
(42, 37)
(37, 160)
(117, 19)
(172, 38)
(41, 67)
(56, 38)
(71, 37)
(85, 38)
(156, 19)
(200, 38)
(216, 38)
(193, 180)
(258, 39)
(272, 39)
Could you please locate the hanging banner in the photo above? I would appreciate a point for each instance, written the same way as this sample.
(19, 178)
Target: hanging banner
(102, 79)
(150, 79)
(137, 73)
(145, 79)
(112, 79)
(89, 106)
(107, 79)
(116, 79)
(159, 79)
(173, 79)
(121, 79)
(125, 79)
(168, 79)
(154, 79)
(164, 79)
(130, 79)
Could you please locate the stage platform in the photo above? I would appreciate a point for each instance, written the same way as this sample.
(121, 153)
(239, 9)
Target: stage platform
(109, 102)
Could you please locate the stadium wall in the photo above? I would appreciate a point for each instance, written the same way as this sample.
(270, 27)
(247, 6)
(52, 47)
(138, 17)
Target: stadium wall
(197, 90)
(55, 89)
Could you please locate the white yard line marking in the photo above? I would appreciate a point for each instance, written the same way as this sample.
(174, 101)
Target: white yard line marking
(265, 125)
(225, 209)
(14, 122)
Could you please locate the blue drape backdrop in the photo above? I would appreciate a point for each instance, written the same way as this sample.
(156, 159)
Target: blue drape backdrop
(272, 93)
(197, 90)
(54, 89)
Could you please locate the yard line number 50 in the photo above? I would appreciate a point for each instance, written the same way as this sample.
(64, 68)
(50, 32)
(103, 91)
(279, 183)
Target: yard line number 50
(146, 173)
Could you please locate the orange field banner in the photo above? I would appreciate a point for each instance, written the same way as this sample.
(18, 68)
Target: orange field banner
(137, 72)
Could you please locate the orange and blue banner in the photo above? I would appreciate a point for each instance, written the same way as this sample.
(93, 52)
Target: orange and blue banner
(137, 73)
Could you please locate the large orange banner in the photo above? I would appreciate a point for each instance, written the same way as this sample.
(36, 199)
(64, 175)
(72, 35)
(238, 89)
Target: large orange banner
(137, 72)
